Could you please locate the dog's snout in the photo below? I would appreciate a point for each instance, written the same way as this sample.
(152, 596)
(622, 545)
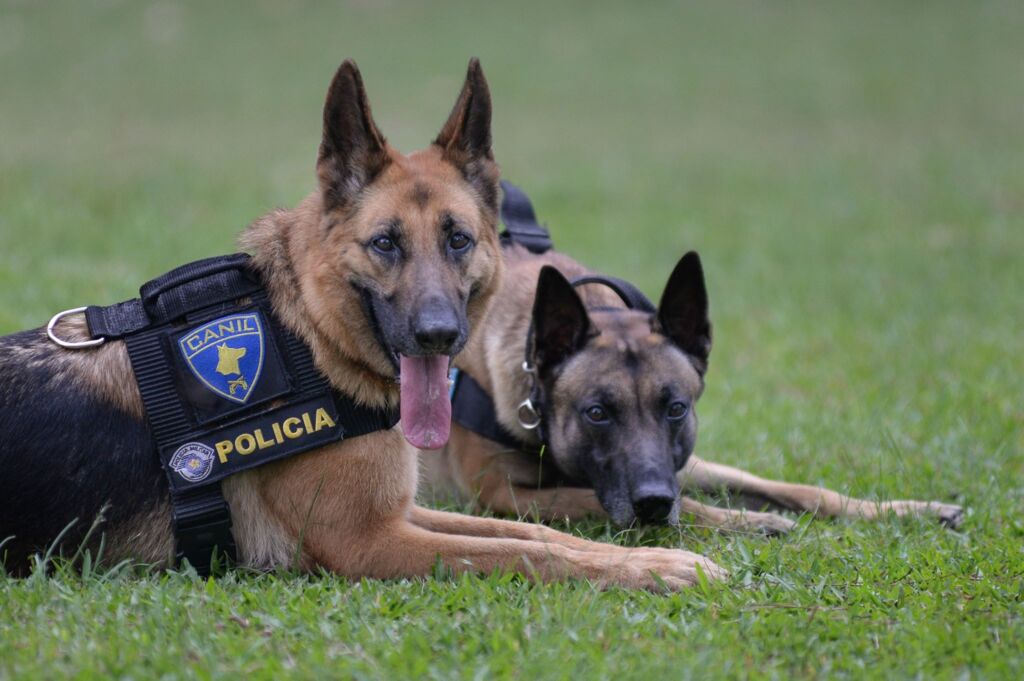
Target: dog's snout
(437, 338)
(653, 503)
(653, 509)
(436, 328)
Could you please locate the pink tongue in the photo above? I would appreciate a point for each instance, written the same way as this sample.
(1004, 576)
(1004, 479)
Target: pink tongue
(426, 408)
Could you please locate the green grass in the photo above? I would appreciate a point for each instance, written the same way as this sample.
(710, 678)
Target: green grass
(851, 173)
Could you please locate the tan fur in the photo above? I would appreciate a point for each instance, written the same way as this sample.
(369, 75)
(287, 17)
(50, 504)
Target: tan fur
(105, 372)
(101, 371)
(349, 507)
(505, 481)
(147, 538)
(821, 502)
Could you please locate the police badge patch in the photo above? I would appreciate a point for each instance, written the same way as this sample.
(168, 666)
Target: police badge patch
(226, 354)
(193, 461)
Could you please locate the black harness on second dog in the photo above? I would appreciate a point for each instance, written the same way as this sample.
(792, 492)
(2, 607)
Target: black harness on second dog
(226, 387)
(472, 407)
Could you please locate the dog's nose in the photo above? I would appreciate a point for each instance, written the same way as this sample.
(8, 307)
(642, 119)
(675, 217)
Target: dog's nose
(652, 504)
(436, 329)
(437, 338)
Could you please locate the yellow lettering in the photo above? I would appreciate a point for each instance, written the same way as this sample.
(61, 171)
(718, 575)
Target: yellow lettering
(225, 327)
(209, 336)
(323, 420)
(247, 324)
(193, 342)
(308, 422)
(224, 447)
(245, 444)
(278, 437)
(263, 444)
(290, 428)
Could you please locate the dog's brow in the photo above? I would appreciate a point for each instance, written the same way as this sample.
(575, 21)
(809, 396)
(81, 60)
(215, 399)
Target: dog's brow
(420, 194)
(450, 222)
(608, 397)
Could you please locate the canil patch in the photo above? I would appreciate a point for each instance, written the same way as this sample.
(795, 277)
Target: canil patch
(226, 355)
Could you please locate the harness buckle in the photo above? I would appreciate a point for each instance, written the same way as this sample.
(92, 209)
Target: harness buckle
(527, 414)
(71, 345)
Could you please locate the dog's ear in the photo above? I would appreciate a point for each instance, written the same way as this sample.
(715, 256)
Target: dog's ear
(353, 151)
(683, 311)
(561, 326)
(466, 137)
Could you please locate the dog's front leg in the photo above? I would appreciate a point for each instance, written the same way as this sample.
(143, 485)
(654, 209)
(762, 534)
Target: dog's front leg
(548, 503)
(465, 525)
(577, 503)
(823, 503)
(474, 526)
(506, 482)
(405, 549)
(350, 506)
(729, 519)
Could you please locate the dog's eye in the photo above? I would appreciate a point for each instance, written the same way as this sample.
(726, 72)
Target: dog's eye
(458, 241)
(384, 244)
(596, 414)
(677, 410)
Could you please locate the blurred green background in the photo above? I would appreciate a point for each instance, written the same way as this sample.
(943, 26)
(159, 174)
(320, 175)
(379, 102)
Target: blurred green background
(852, 174)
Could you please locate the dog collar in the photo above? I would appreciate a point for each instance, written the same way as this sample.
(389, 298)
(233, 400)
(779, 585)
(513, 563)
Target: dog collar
(226, 387)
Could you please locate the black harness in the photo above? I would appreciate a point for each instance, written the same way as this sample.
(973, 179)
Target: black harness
(226, 387)
(472, 407)
(521, 226)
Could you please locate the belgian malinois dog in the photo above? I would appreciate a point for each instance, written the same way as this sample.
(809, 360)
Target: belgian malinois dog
(618, 389)
(382, 271)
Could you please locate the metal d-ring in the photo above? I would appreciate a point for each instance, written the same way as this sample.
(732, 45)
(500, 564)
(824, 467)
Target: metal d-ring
(527, 415)
(72, 345)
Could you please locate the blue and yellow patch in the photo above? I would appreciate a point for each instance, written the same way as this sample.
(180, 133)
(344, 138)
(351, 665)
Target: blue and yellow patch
(193, 461)
(226, 354)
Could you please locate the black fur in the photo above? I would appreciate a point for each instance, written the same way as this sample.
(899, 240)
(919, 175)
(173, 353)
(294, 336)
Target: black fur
(561, 326)
(64, 455)
(353, 150)
(410, 325)
(683, 311)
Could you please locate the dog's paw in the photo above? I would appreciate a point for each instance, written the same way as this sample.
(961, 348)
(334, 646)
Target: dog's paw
(658, 569)
(950, 515)
(768, 524)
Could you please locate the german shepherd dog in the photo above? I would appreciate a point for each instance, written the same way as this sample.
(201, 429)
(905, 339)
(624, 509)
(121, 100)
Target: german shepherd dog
(619, 391)
(382, 271)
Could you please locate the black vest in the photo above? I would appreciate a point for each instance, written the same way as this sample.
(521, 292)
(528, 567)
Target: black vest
(226, 387)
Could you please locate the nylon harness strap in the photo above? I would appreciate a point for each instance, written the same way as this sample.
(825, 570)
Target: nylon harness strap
(187, 334)
(627, 292)
(473, 409)
(521, 226)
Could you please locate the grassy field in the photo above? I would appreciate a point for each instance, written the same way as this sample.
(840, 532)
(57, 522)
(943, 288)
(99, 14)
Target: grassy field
(851, 173)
